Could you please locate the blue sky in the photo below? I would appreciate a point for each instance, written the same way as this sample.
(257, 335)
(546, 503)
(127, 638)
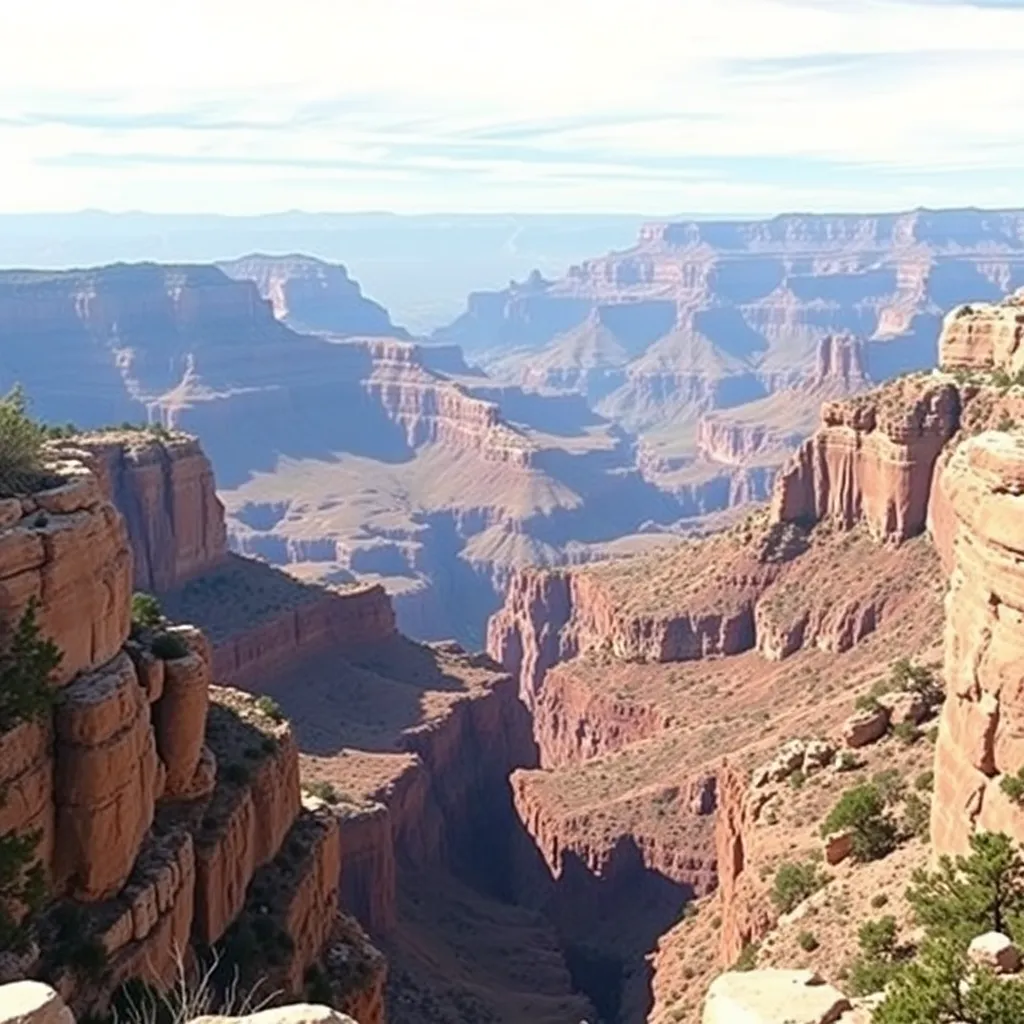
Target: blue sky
(655, 106)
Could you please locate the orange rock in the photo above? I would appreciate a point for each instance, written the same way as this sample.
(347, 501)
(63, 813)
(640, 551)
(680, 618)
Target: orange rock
(983, 336)
(166, 492)
(981, 731)
(866, 727)
(872, 460)
(106, 780)
(179, 720)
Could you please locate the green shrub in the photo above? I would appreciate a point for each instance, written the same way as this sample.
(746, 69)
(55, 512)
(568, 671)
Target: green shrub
(22, 883)
(794, 883)
(747, 960)
(169, 646)
(925, 782)
(798, 778)
(808, 942)
(1013, 786)
(876, 964)
(21, 447)
(916, 816)
(890, 784)
(866, 702)
(269, 708)
(879, 900)
(146, 612)
(318, 986)
(906, 732)
(323, 791)
(863, 811)
(26, 669)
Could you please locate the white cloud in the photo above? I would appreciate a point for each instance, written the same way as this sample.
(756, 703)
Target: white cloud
(411, 105)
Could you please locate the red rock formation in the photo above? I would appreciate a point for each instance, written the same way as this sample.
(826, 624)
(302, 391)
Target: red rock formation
(872, 460)
(983, 718)
(983, 336)
(746, 917)
(312, 295)
(165, 490)
(359, 615)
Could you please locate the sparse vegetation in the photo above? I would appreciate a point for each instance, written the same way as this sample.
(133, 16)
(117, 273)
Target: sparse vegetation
(925, 782)
(323, 791)
(146, 612)
(906, 732)
(168, 646)
(1013, 786)
(26, 669)
(21, 447)
(270, 708)
(747, 960)
(808, 942)
(876, 963)
(794, 883)
(916, 816)
(863, 811)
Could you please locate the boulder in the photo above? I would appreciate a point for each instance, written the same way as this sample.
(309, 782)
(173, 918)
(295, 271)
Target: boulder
(995, 951)
(773, 997)
(866, 727)
(32, 1002)
(838, 847)
(905, 706)
(300, 1013)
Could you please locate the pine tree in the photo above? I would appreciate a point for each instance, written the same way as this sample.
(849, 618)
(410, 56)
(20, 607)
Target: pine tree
(968, 896)
(25, 670)
(940, 987)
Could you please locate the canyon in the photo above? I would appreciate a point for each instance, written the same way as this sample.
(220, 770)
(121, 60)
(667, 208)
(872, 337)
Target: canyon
(567, 827)
(638, 398)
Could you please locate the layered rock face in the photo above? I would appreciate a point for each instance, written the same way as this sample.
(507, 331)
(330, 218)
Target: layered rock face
(872, 460)
(156, 797)
(311, 295)
(984, 336)
(983, 720)
(165, 490)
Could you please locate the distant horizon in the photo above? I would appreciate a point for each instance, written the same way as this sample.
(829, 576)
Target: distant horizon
(654, 218)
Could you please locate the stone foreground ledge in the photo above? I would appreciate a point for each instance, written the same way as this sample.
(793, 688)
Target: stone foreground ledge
(32, 1002)
(773, 997)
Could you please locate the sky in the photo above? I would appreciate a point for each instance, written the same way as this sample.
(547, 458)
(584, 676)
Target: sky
(414, 106)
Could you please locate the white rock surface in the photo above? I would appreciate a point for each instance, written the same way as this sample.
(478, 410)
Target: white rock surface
(773, 997)
(32, 1002)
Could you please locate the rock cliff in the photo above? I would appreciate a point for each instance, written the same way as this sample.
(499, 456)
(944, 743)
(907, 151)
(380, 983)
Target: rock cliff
(979, 734)
(872, 459)
(155, 796)
(165, 490)
(984, 336)
(313, 296)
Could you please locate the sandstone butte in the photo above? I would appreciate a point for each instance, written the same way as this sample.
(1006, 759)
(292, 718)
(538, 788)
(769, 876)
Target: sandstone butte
(650, 688)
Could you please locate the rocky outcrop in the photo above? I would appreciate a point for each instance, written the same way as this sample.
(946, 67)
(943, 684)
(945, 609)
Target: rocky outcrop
(107, 779)
(68, 549)
(311, 295)
(153, 808)
(773, 997)
(984, 336)
(872, 460)
(33, 1002)
(358, 615)
(746, 916)
(432, 409)
(983, 718)
(165, 490)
